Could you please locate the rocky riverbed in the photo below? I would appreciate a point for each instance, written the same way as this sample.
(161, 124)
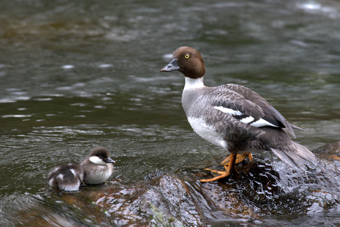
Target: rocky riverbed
(180, 199)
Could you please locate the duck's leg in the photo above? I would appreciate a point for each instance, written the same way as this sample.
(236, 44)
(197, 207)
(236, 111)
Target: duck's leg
(239, 158)
(82, 181)
(229, 169)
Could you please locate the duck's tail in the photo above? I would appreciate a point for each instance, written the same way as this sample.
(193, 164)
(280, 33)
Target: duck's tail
(295, 155)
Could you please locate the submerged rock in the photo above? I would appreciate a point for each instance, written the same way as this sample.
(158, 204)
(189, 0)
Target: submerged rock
(329, 151)
(163, 199)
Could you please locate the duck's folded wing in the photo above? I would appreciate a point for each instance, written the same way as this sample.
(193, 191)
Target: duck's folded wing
(248, 107)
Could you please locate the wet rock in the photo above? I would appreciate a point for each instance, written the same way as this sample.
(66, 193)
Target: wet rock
(161, 199)
(167, 200)
(66, 209)
(329, 151)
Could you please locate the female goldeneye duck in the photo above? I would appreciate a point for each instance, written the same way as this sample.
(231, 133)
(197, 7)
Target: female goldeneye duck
(234, 117)
(66, 177)
(97, 166)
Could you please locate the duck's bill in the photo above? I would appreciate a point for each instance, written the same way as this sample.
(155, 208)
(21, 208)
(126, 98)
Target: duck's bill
(172, 66)
(109, 160)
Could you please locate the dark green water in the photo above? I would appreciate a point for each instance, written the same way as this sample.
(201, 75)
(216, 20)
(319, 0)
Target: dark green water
(78, 74)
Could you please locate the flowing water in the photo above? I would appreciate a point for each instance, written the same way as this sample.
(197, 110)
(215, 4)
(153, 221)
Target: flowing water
(79, 74)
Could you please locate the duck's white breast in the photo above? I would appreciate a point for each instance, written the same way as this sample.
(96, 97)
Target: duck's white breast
(100, 175)
(206, 131)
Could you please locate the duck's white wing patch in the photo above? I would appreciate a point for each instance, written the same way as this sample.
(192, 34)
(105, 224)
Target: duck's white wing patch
(97, 160)
(228, 110)
(249, 120)
(262, 123)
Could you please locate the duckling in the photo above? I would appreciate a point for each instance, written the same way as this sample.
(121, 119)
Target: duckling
(97, 166)
(66, 177)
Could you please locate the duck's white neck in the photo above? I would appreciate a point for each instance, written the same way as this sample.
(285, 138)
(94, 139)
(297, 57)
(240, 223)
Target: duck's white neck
(193, 83)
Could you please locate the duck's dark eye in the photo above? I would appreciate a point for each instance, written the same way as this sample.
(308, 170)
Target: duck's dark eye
(187, 56)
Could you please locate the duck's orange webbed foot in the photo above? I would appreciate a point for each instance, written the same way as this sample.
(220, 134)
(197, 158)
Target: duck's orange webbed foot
(233, 159)
(223, 174)
(239, 158)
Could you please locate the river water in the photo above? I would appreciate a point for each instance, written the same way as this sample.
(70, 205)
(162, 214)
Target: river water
(79, 74)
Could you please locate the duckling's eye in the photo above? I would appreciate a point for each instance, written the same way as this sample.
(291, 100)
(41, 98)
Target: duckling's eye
(187, 56)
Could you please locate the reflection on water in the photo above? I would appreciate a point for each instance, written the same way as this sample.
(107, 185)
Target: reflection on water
(75, 75)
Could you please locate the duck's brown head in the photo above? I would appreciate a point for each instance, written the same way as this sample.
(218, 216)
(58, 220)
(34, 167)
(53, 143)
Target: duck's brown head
(100, 155)
(188, 61)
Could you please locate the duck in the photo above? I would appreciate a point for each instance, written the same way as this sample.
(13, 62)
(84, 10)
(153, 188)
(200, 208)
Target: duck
(97, 166)
(234, 117)
(66, 177)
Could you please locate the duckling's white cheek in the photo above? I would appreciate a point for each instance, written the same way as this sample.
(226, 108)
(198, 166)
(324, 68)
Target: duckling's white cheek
(96, 160)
